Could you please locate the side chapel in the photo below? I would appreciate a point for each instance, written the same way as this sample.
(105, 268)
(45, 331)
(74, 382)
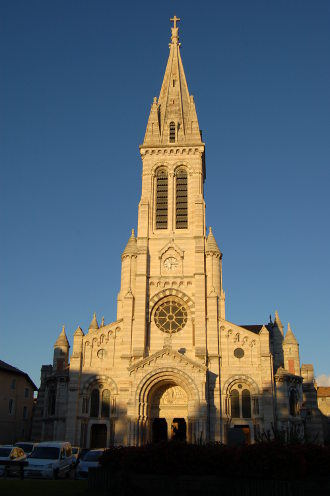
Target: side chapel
(171, 365)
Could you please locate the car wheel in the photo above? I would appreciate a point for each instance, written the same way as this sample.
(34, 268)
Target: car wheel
(55, 474)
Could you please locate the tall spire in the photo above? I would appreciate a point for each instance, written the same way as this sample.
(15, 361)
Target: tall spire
(175, 105)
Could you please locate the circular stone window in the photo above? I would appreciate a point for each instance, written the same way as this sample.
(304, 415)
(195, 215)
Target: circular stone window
(171, 315)
(101, 354)
(239, 352)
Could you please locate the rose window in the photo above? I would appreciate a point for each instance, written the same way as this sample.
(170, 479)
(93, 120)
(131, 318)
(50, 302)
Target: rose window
(171, 316)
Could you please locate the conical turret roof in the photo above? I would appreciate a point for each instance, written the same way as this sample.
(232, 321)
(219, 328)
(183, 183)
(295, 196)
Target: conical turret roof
(131, 247)
(290, 338)
(174, 104)
(94, 324)
(62, 339)
(211, 244)
(78, 332)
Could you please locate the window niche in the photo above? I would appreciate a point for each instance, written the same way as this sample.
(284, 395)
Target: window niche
(181, 200)
(240, 403)
(95, 403)
(161, 199)
(172, 132)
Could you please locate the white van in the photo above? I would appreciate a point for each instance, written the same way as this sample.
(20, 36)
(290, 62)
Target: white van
(50, 460)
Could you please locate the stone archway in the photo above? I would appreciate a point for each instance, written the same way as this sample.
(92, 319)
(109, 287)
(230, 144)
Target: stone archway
(172, 395)
(168, 402)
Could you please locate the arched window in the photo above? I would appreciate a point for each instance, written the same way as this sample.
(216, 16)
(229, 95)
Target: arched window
(105, 407)
(181, 207)
(246, 403)
(234, 404)
(51, 401)
(172, 132)
(293, 403)
(95, 402)
(161, 199)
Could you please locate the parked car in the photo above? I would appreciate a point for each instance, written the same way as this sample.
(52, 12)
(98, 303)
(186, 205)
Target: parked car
(91, 459)
(8, 453)
(50, 460)
(26, 446)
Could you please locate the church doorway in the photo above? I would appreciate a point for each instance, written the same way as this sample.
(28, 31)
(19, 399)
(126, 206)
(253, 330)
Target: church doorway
(159, 430)
(179, 429)
(245, 429)
(168, 412)
(98, 436)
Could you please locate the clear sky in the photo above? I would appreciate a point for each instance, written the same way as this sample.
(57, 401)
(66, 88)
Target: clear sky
(77, 81)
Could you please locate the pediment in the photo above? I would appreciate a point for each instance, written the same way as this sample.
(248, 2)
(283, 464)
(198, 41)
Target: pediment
(166, 356)
(171, 246)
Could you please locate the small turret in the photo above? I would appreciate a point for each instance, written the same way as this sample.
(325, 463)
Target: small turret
(77, 342)
(291, 352)
(94, 324)
(211, 244)
(131, 247)
(276, 332)
(61, 352)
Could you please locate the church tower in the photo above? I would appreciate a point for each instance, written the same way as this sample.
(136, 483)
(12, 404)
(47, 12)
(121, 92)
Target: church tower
(171, 272)
(172, 366)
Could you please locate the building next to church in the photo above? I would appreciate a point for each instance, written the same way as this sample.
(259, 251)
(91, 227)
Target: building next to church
(171, 365)
(16, 404)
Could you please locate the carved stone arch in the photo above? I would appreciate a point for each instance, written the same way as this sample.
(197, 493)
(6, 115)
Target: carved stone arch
(96, 379)
(184, 165)
(165, 374)
(244, 379)
(171, 292)
(158, 166)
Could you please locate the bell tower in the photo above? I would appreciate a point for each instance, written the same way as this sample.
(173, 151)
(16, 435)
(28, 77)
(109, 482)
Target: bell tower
(168, 298)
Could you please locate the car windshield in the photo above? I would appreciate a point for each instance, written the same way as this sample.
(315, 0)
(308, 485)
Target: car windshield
(92, 456)
(45, 453)
(27, 448)
(75, 451)
(5, 452)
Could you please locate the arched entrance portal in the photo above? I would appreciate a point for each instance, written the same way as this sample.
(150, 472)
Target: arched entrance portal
(168, 404)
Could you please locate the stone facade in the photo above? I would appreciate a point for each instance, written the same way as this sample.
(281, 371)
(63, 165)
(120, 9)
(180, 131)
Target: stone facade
(171, 364)
(16, 404)
(323, 402)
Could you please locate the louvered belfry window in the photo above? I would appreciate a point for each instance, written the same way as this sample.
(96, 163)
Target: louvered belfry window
(181, 199)
(172, 132)
(161, 199)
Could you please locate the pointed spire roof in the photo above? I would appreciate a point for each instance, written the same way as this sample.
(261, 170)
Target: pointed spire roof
(290, 338)
(174, 104)
(94, 324)
(277, 320)
(62, 339)
(78, 332)
(211, 244)
(131, 247)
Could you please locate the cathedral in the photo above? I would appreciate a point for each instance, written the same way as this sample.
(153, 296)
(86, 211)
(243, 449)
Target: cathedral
(171, 366)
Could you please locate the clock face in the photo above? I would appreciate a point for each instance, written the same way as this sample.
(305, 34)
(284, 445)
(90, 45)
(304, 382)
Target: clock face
(170, 263)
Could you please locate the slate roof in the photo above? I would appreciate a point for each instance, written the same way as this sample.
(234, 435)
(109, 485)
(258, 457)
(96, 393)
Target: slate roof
(5, 367)
(256, 328)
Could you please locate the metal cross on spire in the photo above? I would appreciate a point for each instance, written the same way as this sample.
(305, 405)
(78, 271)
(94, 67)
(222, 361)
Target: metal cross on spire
(175, 19)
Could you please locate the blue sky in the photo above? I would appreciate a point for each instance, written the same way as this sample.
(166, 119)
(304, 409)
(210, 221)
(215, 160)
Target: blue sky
(77, 80)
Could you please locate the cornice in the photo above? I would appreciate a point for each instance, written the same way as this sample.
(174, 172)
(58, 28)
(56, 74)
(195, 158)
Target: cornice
(189, 149)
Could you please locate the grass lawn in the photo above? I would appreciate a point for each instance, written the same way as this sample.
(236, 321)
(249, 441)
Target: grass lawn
(34, 487)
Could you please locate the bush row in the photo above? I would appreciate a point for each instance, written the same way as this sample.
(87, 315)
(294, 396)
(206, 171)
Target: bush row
(264, 460)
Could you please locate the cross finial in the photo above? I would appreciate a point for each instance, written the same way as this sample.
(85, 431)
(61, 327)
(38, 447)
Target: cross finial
(175, 19)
